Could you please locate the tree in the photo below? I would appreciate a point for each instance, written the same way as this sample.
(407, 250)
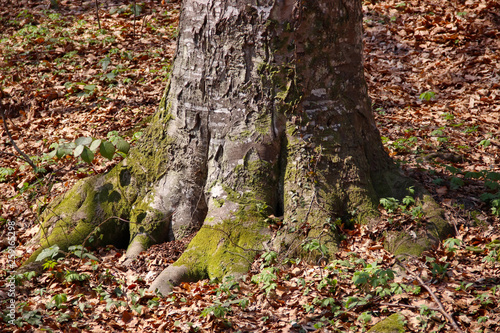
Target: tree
(266, 114)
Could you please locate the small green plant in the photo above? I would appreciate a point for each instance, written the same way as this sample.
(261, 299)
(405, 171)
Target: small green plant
(438, 271)
(218, 310)
(471, 129)
(448, 116)
(484, 298)
(485, 143)
(372, 276)
(425, 315)
(492, 256)
(49, 264)
(403, 145)
(365, 318)
(427, 96)
(353, 301)
(328, 282)
(20, 278)
(229, 283)
(452, 244)
(71, 276)
(5, 173)
(81, 252)
(438, 132)
(308, 307)
(57, 301)
(390, 204)
(464, 286)
(269, 258)
(267, 277)
(87, 147)
(315, 245)
(409, 200)
(456, 183)
(48, 253)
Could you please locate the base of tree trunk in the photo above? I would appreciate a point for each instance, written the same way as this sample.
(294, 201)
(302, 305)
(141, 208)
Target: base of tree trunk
(266, 119)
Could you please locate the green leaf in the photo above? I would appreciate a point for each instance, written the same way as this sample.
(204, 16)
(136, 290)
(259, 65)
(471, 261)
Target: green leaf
(89, 87)
(59, 299)
(105, 63)
(84, 140)
(52, 154)
(473, 175)
(122, 146)
(107, 150)
(485, 143)
(136, 9)
(87, 155)
(407, 201)
(428, 95)
(90, 256)
(475, 249)
(136, 136)
(111, 75)
(493, 176)
(50, 252)
(65, 149)
(78, 150)
(360, 278)
(95, 144)
(113, 135)
(456, 183)
(5, 172)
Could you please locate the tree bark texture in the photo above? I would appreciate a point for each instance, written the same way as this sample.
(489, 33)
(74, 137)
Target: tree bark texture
(266, 112)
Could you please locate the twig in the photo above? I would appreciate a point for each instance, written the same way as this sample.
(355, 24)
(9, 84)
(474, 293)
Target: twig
(438, 302)
(25, 157)
(97, 14)
(135, 14)
(13, 155)
(396, 305)
(238, 254)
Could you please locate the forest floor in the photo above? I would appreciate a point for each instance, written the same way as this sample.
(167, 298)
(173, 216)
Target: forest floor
(433, 73)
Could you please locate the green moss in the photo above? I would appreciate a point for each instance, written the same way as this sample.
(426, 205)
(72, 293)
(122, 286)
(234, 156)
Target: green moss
(401, 244)
(92, 201)
(362, 204)
(241, 136)
(227, 248)
(218, 202)
(258, 181)
(440, 228)
(87, 213)
(392, 324)
(263, 123)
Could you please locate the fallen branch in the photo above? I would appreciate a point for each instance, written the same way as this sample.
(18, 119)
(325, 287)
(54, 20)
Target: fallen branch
(24, 156)
(397, 305)
(436, 299)
(97, 14)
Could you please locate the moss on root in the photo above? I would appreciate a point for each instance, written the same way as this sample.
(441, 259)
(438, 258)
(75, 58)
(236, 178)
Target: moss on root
(392, 324)
(227, 248)
(88, 205)
(85, 213)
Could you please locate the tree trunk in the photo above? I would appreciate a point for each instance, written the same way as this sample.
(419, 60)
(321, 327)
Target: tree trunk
(266, 112)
